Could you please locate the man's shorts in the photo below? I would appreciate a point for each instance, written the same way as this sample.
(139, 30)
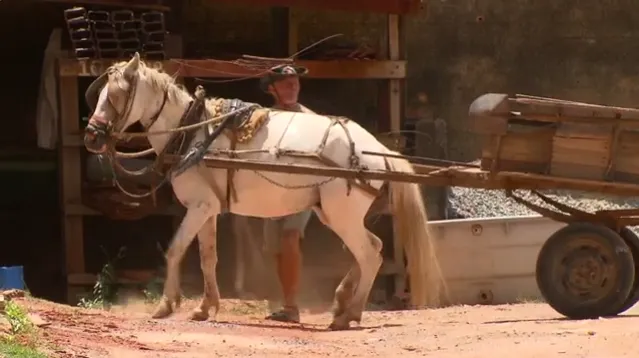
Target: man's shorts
(274, 229)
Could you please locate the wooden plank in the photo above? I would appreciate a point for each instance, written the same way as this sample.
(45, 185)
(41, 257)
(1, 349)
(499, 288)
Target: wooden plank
(521, 147)
(293, 32)
(627, 154)
(585, 130)
(584, 158)
(136, 277)
(125, 277)
(377, 6)
(339, 69)
(83, 210)
(71, 176)
(145, 4)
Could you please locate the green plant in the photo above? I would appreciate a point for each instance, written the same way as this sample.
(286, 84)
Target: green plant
(153, 290)
(104, 291)
(12, 349)
(18, 319)
(20, 342)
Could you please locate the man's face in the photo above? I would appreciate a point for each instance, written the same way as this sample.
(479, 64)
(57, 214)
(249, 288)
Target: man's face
(286, 90)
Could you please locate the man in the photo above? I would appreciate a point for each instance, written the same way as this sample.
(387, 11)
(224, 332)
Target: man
(282, 235)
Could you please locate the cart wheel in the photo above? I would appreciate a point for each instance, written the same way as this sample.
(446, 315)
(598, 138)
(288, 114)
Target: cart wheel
(585, 270)
(633, 243)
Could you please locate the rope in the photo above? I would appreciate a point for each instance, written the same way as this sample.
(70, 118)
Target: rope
(179, 129)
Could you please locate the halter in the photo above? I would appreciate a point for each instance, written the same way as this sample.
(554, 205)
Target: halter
(195, 108)
(100, 125)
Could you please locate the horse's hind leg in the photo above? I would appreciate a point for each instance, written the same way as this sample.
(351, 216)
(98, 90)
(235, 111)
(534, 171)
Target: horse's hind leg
(359, 306)
(208, 262)
(346, 288)
(345, 291)
(369, 261)
(345, 216)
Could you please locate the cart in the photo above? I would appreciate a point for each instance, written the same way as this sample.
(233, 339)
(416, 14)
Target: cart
(587, 269)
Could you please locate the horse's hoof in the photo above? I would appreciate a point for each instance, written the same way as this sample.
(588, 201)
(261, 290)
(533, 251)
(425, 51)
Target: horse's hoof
(335, 326)
(338, 311)
(198, 315)
(163, 310)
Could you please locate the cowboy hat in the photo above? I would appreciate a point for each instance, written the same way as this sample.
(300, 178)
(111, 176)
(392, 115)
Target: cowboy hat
(280, 72)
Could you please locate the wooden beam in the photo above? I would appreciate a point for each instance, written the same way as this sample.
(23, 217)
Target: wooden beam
(71, 176)
(293, 32)
(378, 6)
(279, 31)
(137, 277)
(144, 5)
(395, 115)
(83, 210)
(341, 69)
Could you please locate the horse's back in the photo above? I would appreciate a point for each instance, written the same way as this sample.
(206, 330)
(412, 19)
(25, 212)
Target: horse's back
(308, 133)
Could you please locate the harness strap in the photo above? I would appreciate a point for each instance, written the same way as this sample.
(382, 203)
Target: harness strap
(231, 195)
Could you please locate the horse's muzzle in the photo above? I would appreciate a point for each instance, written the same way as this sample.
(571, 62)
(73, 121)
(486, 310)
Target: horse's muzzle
(95, 137)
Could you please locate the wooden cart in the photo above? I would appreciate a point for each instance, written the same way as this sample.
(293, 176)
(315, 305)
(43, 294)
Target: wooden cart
(587, 269)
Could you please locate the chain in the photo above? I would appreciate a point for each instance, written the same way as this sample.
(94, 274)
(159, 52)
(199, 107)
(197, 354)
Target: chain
(294, 187)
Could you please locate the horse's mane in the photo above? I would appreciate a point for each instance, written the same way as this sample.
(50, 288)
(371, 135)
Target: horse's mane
(162, 81)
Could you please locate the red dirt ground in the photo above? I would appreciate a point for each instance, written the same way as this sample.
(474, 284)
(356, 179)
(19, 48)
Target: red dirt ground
(522, 330)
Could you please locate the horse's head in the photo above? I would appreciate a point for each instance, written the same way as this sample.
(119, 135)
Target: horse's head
(121, 96)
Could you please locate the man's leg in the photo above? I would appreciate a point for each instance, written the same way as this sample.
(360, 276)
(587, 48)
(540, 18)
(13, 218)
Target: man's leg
(289, 264)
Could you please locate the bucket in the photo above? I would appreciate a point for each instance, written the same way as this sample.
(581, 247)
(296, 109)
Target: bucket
(11, 277)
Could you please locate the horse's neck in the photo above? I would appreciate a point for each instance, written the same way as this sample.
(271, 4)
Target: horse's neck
(168, 119)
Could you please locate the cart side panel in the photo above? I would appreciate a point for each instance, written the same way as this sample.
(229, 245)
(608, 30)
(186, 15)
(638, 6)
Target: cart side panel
(627, 158)
(520, 149)
(581, 151)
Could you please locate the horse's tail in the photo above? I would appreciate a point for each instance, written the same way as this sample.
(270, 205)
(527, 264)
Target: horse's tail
(411, 226)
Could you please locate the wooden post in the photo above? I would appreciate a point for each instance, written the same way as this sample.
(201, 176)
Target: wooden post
(71, 180)
(293, 37)
(395, 115)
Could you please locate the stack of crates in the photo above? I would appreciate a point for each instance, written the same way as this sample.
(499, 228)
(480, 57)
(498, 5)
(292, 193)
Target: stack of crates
(116, 34)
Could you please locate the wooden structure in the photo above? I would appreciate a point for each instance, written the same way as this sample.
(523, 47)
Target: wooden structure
(393, 69)
(526, 133)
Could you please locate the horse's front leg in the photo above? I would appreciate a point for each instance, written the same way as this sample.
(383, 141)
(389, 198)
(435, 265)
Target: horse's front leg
(208, 262)
(196, 215)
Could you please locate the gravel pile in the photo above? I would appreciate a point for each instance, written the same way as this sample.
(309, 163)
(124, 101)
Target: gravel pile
(479, 203)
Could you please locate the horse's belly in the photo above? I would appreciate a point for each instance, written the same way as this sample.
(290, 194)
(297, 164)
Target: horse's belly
(270, 194)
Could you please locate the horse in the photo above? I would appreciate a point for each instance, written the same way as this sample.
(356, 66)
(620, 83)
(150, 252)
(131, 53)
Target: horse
(130, 92)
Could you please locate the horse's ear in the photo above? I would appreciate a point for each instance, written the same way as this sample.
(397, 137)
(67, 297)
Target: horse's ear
(132, 67)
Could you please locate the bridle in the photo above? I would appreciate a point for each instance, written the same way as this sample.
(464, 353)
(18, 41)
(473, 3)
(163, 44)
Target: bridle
(99, 126)
(195, 109)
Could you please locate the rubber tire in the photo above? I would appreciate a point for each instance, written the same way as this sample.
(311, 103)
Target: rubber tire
(606, 306)
(632, 240)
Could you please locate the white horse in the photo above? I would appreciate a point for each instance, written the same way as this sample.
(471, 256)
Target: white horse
(133, 92)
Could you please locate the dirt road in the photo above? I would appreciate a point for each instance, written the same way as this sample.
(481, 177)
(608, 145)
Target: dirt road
(523, 330)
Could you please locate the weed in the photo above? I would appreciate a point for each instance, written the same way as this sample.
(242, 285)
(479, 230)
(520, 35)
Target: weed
(153, 290)
(13, 349)
(21, 340)
(104, 290)
(18, 319)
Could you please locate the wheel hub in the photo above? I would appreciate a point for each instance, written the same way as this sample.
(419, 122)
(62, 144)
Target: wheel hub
(586, 272)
